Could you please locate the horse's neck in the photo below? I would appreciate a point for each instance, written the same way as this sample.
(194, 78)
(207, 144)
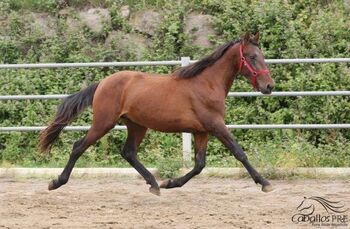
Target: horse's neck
(223, 72)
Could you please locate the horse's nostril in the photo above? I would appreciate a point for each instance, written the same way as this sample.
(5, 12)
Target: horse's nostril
(269, 87)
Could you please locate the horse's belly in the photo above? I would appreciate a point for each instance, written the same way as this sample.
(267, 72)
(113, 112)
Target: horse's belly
(165, 123)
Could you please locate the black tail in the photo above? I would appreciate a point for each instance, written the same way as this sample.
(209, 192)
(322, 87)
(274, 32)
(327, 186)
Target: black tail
(71, 107)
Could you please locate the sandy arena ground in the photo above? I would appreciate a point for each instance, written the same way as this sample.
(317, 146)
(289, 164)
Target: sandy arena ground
(126, 203)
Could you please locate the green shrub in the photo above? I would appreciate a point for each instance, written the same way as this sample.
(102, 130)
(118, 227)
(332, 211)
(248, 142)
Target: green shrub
(289, 29)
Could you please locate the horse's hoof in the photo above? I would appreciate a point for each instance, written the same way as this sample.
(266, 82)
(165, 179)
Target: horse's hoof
(165, 184)
(155, 191)
(267, 188)
(53, 185)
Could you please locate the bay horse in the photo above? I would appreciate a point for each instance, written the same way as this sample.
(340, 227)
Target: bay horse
(191, 99)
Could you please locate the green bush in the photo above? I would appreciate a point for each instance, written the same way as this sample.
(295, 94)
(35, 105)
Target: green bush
(289, 29)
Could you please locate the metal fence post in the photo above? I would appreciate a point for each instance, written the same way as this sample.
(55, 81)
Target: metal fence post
(186, 137)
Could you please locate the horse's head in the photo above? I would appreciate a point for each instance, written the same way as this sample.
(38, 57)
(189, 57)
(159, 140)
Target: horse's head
(253, 66)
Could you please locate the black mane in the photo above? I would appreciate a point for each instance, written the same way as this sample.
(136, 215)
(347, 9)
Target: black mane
(198, 67)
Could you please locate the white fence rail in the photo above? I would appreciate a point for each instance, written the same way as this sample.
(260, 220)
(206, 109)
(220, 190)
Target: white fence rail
(183, 62)
(156, 63)
(230, 94)
(242, 126)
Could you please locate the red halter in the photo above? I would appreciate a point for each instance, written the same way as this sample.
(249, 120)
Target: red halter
(253, 73)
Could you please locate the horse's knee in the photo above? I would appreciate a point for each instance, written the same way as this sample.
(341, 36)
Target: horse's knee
(238, 152)
(240, 155)
(77, 144)
(129, 150)
(128, 154)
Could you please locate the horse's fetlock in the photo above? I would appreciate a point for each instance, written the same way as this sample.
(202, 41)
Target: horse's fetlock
(62, 180)
(198, 168)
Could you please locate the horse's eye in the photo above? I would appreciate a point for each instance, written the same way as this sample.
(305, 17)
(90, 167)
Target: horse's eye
(253, 57)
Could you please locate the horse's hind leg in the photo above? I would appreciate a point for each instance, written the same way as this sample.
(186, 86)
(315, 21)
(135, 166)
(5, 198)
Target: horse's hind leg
(200, 142)
(79, 147)
(136, 133)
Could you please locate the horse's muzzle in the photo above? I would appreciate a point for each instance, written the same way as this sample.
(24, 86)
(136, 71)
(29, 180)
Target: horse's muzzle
(267, 90)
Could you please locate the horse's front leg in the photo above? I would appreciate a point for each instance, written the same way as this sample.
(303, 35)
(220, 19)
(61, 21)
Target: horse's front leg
(220, 131)
(200, 142)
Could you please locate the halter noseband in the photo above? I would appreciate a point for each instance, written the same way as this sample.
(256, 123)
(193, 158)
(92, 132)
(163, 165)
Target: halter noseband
(253, 73)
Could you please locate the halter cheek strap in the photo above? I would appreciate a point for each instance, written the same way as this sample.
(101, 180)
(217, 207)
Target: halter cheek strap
(253, 73)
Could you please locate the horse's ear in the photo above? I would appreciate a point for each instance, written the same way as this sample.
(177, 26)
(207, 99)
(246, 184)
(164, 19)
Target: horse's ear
(246, 37)
(256, 37)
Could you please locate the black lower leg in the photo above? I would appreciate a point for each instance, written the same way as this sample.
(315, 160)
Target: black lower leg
(239, 154)
(78, 149)
(224, 136)
(129, 154)
(200, 141)
(179, 182)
